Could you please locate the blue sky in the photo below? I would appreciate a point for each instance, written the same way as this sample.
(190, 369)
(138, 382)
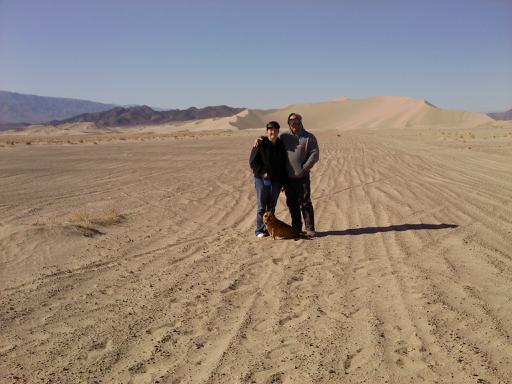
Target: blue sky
(259, 54)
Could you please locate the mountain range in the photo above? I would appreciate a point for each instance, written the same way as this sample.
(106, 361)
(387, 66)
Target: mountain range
(32, 109)
(19, 110)
(144, 115)
(507, 115)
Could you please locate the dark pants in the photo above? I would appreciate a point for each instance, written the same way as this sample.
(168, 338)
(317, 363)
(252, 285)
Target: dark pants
(267, 200)
(298, 199)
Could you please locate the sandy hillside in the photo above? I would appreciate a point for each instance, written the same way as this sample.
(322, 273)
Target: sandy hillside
(342, 113)
(373, 112)
(136, 262)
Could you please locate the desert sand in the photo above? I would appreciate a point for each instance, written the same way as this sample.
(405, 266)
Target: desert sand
(135, 261)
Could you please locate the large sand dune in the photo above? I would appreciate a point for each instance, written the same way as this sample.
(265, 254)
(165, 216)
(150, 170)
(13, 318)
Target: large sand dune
(343, 113)
(373, 112)
(136, 262)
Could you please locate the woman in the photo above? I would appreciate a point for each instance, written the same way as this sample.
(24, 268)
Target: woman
(268, 163)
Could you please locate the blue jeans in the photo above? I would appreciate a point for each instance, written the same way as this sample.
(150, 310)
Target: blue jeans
(267, 200)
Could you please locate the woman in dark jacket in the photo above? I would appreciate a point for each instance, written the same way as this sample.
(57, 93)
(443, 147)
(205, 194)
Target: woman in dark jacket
(268, 163)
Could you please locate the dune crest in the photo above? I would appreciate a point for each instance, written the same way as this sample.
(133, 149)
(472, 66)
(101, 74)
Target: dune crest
(372, 112)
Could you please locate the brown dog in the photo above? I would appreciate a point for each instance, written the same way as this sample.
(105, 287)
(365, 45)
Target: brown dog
(276, 228)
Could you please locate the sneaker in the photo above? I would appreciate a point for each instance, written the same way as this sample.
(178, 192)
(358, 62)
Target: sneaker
(261, 235)
(310, 233)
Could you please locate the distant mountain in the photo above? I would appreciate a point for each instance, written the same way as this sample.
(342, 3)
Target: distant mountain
(21, 108)
(15, 126)
(138, 115)
(501, 115)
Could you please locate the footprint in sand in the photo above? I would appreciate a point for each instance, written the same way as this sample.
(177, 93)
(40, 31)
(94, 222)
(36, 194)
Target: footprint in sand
(98, 349)
(138, 367)
(159, 331)
(295, 279)
(356, 360)
(235, 284)
(402, 350)
(276, 378)
(275, 353)
(292, 318)
(348, 361)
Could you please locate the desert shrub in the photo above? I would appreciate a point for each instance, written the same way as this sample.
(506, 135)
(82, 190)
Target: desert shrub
(106, 217)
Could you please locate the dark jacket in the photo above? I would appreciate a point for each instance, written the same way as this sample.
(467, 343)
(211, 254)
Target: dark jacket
(269, 158)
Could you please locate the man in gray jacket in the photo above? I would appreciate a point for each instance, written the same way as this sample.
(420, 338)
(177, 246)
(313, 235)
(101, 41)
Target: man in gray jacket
(303, 152)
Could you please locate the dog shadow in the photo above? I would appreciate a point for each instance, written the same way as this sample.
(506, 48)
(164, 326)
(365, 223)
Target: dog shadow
(396, 228)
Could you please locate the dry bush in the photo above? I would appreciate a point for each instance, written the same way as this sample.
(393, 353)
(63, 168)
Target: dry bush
(106, 217)
(76, 224)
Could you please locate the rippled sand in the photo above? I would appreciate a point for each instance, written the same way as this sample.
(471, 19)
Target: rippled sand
(409, 280)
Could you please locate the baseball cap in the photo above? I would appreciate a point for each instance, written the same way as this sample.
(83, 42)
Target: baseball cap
(273, 125)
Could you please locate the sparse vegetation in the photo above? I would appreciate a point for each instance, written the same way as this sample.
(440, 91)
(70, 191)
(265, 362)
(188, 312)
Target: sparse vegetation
(104, 218)
(86, 223)
(106, 137)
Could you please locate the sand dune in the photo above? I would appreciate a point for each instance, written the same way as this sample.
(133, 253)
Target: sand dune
(373, 112)
(342, 113)
(409, 281)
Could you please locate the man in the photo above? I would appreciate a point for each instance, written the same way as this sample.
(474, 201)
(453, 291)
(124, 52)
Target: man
(303, 153)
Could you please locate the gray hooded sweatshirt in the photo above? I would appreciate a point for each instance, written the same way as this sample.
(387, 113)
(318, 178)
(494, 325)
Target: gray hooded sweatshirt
(303, 152)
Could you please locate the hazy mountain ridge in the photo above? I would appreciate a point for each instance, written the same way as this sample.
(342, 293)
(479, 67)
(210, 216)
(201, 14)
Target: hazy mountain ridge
(139, 115)
(507, 115)
(23, 108)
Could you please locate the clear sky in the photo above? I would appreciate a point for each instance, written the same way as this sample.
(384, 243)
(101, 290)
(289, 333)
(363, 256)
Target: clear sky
(259, 54)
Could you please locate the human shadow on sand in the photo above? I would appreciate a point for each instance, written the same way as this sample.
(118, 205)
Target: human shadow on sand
(397, 228)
